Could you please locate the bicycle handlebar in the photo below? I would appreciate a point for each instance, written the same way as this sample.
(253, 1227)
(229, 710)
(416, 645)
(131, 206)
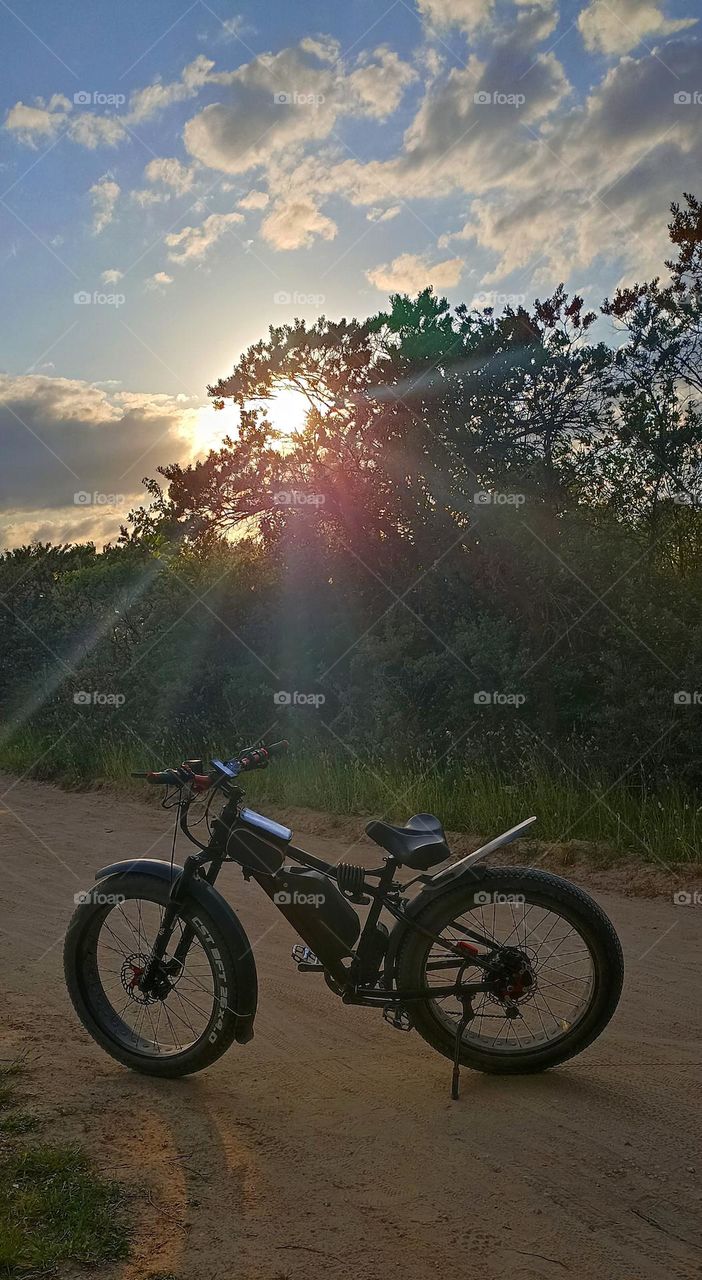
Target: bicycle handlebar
(251, 758)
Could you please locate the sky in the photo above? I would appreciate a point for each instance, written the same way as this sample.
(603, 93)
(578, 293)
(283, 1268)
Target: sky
(175, 177)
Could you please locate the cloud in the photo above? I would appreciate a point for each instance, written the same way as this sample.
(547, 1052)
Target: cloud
(614, 166)
(104, 195)
(384, 215)
(468, 132)
(254, 200)
(39, 123)
(412, 272)
(294, 223)
(194, 243)
(281, 101)
(616, 26)
(159, 280)
(469, 14)
(169, 178)
(63, 437)
(111, 276)
(93, 131)
(170, 172)
(150, 101)
(379, 82)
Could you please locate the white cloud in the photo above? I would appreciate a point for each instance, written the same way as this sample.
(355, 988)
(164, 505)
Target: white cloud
(111, 276)
(104, 196)
(469, 14)
(254, 200)
(159, 280)
(193, 243)
(147, 196)
(170, 172)
(456, 142)
(616, 26)
(294, 223)
(153, 99)
(384, 215)
(412, 272)
(94, 131)
(39, 123)
(278, 102)
(379, 82)
(614, 165)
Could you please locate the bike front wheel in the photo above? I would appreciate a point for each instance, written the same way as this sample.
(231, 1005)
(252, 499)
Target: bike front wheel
(555, 977)
(108, 945)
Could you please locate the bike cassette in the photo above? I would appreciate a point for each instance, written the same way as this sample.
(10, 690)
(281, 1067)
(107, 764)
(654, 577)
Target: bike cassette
(398, 1018)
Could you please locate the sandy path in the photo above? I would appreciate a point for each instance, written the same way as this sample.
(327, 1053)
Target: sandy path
(329, 1146)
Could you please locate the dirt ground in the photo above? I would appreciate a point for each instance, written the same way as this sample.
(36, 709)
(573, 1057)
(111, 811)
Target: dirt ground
(329, 1145)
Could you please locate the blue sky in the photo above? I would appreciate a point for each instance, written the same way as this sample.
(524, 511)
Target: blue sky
(175, 177)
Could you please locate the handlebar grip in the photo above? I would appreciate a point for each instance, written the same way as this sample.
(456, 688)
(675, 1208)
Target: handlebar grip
(278, 748)
(138, 773)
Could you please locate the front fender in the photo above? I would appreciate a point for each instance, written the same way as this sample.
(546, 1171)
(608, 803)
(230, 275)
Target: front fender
(211, 901)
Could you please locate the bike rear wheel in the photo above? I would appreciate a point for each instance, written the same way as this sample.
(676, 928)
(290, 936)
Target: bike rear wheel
(108, 944)
(556, 990)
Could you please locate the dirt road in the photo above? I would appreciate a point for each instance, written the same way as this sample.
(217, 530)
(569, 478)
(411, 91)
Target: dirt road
(329, 1146)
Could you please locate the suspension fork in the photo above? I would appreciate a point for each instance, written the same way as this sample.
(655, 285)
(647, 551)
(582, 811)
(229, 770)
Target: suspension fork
(179, 889)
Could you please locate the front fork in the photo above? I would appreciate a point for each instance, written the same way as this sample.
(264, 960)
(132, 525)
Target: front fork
(156, 972)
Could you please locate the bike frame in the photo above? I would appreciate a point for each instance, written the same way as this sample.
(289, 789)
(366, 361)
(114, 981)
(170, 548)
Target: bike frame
(387, 894)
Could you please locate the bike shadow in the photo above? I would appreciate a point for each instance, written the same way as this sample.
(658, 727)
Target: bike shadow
(196, 1168)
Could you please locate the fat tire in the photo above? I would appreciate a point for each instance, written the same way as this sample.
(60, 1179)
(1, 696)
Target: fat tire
(221, 1029)
(549, 890)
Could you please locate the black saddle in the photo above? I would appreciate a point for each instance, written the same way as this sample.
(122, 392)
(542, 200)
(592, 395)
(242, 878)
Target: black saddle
(421, 843)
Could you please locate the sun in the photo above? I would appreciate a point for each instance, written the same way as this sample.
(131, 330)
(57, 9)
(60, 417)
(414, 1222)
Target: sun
(207, 426)
(288, 410)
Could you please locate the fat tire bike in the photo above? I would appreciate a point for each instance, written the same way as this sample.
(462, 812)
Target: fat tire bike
(502, 969)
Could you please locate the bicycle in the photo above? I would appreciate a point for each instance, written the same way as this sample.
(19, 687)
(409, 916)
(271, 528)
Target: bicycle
(501, 969)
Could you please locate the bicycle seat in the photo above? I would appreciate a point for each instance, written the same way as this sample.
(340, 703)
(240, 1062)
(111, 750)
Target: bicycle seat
(421, 843)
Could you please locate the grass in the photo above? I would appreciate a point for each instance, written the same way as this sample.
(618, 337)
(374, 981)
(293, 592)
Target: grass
(54, 1207)
(664, 824)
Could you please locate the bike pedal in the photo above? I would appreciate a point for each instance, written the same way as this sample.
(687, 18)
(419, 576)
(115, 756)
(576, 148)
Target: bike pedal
(302, 954)
(398, 1018)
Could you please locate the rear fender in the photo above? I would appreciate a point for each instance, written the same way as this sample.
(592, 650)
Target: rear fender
(210, 900)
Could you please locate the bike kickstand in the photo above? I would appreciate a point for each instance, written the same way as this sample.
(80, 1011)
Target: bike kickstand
(465, 1019)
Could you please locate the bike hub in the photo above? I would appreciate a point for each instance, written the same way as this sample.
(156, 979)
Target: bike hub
(512, 977)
